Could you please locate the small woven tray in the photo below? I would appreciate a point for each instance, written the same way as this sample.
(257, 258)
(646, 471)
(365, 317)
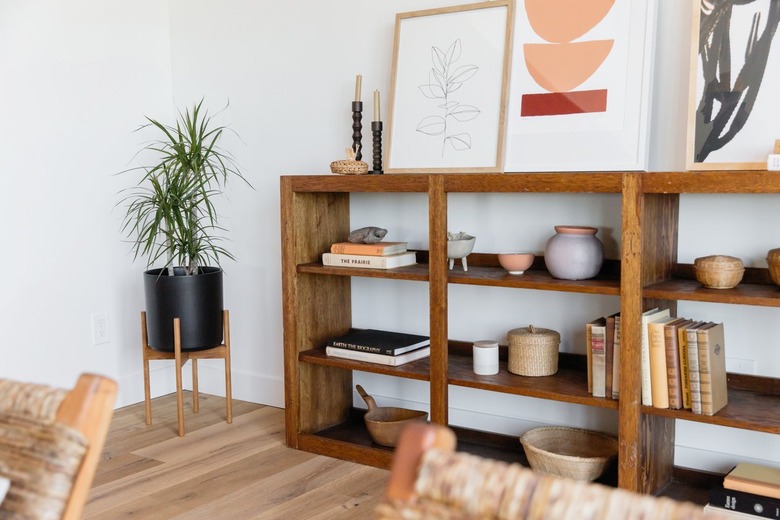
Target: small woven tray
(347, 167)
(533, 351)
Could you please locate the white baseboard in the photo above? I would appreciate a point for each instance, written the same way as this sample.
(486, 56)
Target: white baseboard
(255, 388)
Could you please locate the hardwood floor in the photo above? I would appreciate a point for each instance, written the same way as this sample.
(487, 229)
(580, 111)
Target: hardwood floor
(222, 471)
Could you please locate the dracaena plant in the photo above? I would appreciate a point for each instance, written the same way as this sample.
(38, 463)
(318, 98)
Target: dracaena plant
(170, 215)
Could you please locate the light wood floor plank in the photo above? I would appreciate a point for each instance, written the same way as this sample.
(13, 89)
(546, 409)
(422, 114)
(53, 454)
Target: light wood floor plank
(222, 471)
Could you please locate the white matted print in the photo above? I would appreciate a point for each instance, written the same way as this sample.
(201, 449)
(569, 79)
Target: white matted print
(580, 92)
(734, 103)
(449, 85)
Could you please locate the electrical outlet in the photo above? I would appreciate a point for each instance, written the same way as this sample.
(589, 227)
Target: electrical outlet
(740, 366)
(100, 330)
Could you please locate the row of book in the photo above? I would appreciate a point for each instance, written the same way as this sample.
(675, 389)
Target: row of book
(382, 255)
(748, 491)
(683, 361)
(379, 346)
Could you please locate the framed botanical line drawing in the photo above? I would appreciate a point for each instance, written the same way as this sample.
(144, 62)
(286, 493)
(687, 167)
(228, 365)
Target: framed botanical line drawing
(733, 104)
(449, 86)
(581, 85)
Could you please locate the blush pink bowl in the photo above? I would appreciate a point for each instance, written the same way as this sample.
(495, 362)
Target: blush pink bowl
(516, 263)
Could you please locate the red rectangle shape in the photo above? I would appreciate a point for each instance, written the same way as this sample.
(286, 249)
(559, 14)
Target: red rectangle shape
(562, 103)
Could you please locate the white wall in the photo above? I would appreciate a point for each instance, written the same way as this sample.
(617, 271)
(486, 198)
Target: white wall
(77, 77)
(84, 73)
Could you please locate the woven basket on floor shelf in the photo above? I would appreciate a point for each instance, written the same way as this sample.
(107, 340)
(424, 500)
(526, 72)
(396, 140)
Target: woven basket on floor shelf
(533, 351)
(568, 452)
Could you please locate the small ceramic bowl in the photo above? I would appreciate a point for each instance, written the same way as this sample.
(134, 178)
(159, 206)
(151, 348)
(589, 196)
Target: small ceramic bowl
(516, 263)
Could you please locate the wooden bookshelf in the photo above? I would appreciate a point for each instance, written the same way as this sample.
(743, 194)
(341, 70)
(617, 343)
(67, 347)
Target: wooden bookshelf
(317, 305)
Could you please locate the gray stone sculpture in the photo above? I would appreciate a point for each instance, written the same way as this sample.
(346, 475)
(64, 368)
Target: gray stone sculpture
(367, 235)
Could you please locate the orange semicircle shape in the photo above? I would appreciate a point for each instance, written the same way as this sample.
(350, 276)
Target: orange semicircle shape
(561, 21)
(561, 67)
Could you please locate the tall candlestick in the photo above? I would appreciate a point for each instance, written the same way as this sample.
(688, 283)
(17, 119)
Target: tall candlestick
(376, 106)
(358, 84)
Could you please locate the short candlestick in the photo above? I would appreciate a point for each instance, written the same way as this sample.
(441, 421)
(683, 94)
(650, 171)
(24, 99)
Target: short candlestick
(376, 132)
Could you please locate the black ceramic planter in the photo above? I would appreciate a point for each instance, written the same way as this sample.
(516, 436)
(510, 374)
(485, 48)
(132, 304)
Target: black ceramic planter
(195, 300)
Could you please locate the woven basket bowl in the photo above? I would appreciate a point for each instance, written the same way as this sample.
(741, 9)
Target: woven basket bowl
(718, 271)
(347, 167)
(773, 261)
(533, 351)
(568, 452)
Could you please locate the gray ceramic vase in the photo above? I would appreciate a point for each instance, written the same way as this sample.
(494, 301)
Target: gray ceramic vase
(574, 253)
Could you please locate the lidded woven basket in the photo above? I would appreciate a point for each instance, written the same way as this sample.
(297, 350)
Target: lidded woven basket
(718, 271)
(533, 351)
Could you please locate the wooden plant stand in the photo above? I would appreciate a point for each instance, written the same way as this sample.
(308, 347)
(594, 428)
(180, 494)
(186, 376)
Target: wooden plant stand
(218, 352)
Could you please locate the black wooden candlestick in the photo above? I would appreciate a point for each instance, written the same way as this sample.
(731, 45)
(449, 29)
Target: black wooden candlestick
(376, 132)
(357, 128)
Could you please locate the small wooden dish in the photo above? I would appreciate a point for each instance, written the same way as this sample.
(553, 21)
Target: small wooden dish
(385, 423)
(349, 166)
(718, 271)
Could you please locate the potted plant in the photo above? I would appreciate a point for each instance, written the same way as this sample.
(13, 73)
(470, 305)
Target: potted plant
(170, 217)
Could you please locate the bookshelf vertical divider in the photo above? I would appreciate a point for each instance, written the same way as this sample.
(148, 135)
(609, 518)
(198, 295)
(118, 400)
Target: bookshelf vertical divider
(437, 268)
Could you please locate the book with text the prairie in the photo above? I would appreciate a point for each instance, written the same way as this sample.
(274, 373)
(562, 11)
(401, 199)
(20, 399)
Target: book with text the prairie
(754, 478)
(383, 342)
(370, 262)
(380, 359)
(378, 249)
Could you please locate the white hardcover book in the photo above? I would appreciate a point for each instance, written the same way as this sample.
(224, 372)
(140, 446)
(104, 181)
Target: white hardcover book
(370, 262)
(598, 344)
(381, 359)
(647, 317)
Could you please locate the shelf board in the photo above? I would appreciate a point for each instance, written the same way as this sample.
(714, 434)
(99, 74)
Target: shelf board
(749, 410)
(691, 290)
(535, 183)
(531, 279)
(711, 182)
(419, 369)
(484, 270)
(359, 183)
(569, 384)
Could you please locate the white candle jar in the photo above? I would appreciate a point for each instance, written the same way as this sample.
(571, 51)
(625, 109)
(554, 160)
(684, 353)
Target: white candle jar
(485, 354)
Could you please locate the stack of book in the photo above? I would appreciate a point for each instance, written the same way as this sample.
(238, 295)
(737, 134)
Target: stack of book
(748, 491)
(382, 255)
(379, 346)
(683, 361)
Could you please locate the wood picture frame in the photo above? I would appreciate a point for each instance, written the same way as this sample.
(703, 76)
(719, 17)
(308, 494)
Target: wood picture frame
(450, 75)
(733, 102)
(581, 86)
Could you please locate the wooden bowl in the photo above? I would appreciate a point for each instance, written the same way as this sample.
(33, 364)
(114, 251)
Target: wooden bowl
(385, 423)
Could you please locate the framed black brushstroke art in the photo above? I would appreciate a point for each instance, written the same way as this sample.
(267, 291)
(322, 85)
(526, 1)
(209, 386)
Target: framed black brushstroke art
(734, 103)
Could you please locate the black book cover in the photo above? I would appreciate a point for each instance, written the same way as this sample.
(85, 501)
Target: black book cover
(760, 506)
(380, 342)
